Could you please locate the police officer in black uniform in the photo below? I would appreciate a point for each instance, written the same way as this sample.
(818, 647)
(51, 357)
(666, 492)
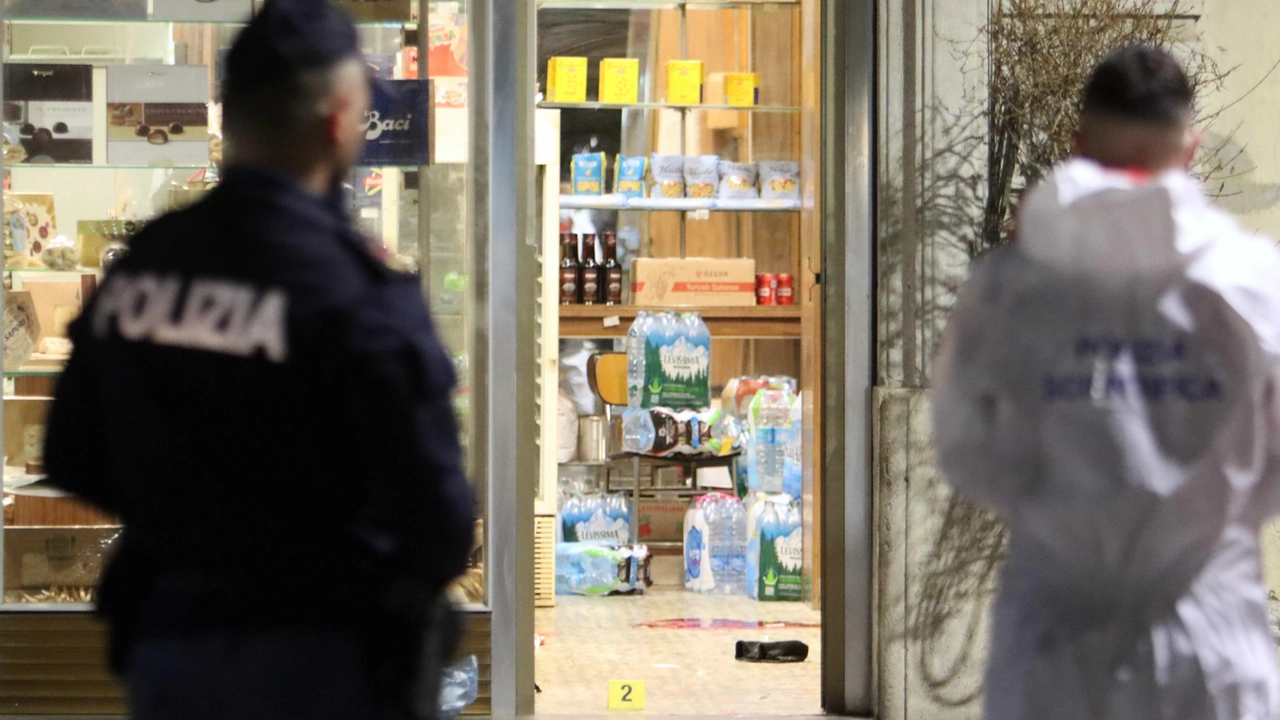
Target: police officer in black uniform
(267, 408)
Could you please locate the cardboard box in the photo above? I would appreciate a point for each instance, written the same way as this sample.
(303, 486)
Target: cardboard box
(693, 282)
(684, 82)
(93, 236)
(661, 520)
(742, 89)
(38, 557)
(158, 115)
(567, 80)
(619, 80)
(202, 10)
(49, 108)
(57, 302)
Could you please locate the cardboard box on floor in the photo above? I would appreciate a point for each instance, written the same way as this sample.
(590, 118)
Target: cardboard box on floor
(693, 282)
(661, 520)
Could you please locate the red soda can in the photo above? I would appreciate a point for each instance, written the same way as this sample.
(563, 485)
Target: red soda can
(766, 289)
(785, 292)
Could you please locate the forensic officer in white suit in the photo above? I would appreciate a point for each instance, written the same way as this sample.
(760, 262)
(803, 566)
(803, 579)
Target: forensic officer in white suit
(1108, 386)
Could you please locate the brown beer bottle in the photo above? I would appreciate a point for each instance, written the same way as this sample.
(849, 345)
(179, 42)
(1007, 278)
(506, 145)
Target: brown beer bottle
(611, 271)
(591, 280)
(570, 271)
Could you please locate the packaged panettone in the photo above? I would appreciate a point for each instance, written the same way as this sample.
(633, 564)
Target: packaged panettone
(29, 224)
(21, 328)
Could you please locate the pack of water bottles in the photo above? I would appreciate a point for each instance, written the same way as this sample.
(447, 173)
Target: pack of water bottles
(663, 431)
(669, 361)
(775, 548)
(596, 570)
(715, 546)
(765, 414)
(595, 518)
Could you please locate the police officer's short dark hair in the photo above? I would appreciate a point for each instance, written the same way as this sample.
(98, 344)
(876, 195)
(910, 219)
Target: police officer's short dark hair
(279, 108)
(280, 69)
(1139, 83)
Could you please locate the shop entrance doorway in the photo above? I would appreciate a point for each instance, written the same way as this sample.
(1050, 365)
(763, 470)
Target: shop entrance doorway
(661, 582)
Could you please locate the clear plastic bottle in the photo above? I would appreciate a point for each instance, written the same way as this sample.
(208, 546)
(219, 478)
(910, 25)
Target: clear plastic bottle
(771, 431)
(635, 358)
(727, 523)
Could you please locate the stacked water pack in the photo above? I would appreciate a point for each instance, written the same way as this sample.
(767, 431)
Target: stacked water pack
(596, 518)
(669, 361)
(715, 546)
(765, 407)
(596, 570)
(793, 467)
(775, 549)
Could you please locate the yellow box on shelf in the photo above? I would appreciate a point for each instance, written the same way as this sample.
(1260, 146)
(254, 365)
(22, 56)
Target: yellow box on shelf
(684, 82)
(567, 80)
(619, 81)
(742, 89)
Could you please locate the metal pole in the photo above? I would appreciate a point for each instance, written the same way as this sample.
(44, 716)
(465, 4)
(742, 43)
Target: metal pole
(505, 234)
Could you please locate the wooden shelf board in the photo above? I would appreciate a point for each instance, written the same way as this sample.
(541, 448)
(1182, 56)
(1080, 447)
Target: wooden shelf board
(588, 321)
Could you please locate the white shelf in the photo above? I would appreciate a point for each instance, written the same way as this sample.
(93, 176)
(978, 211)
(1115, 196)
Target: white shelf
(616, 202)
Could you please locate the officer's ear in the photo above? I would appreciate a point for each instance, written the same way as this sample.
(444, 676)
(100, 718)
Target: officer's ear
(1191, 146)
(1079, 143)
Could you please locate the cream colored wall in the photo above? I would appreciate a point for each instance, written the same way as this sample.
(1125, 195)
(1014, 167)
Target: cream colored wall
(1241, 34)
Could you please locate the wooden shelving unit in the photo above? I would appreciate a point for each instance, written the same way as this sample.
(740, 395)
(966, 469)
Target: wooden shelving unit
(612, 321)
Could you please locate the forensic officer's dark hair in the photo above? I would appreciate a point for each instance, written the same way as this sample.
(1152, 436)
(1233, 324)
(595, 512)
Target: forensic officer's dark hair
(1139, 83)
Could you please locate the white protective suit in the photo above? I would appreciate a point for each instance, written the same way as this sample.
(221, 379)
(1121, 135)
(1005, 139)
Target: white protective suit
(1107, 386)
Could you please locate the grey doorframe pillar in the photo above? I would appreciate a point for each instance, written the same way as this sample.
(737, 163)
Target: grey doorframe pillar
(848, 354)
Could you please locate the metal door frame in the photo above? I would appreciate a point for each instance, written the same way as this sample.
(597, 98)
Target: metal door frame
(504, 193)
(848, 354)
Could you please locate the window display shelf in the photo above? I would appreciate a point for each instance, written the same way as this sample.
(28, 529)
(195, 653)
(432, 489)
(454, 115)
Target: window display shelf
(614, 202)
(39, 371)
(88, 166)
(44, 607)
(51, 271)
(613, 321)
(660, 4)
(406, 24)
(666, 106)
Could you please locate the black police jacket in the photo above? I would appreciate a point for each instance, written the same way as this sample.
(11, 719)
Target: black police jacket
(266, 407)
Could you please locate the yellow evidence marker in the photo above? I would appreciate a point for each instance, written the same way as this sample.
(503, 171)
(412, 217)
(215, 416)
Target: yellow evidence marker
(626, 694)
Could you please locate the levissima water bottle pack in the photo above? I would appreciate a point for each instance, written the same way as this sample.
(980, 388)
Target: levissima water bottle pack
(596, 518)
(669, 361)
(775, 549)
(753, 548)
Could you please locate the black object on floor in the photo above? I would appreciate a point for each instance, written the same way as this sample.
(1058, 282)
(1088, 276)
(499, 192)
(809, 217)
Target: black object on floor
(783, 651)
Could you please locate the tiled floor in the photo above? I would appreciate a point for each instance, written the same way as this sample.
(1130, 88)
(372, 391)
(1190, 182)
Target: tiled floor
(590, 641)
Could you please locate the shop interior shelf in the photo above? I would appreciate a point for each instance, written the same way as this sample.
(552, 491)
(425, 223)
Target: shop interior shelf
(659, 4)
(615, 202)
(666, 106)
(608, 321)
